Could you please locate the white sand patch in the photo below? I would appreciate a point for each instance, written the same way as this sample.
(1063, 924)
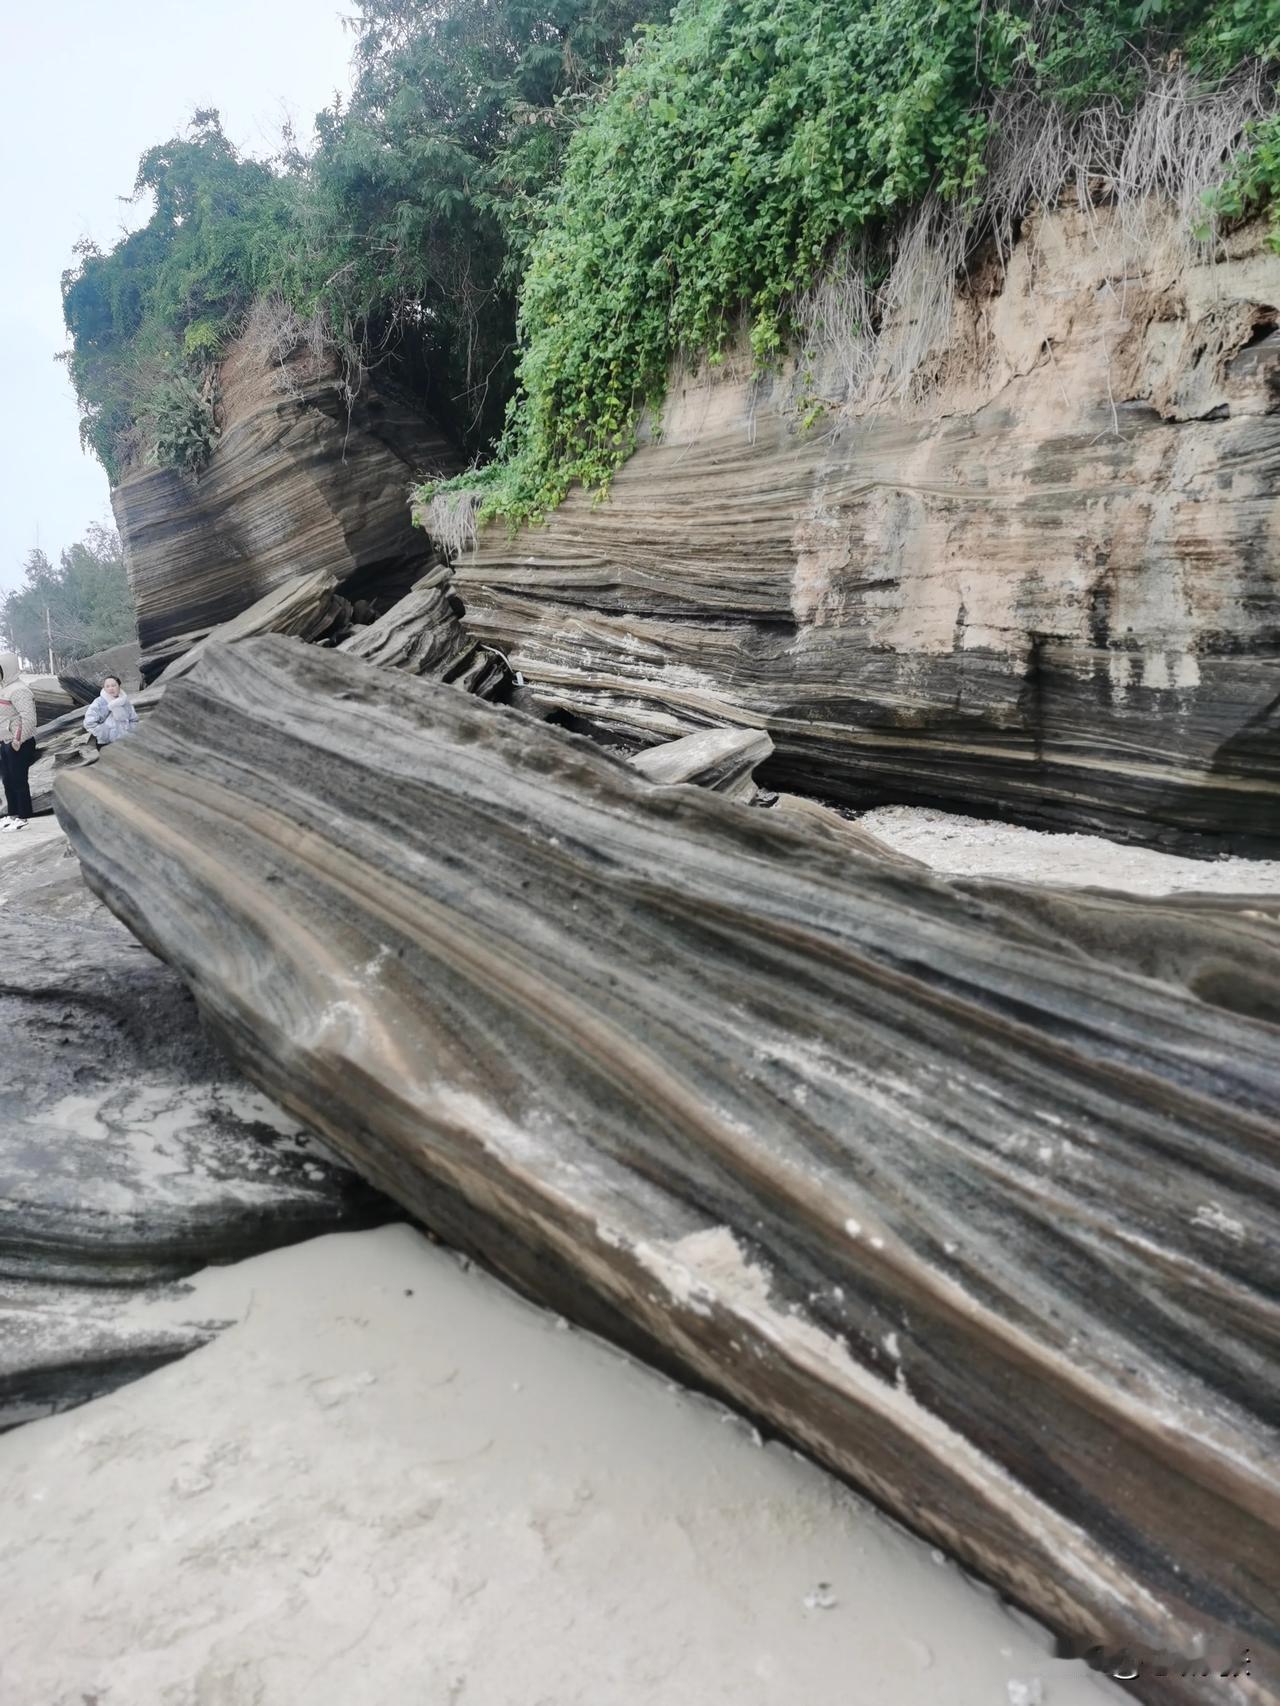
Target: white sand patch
(393, 1481)
(956, 846)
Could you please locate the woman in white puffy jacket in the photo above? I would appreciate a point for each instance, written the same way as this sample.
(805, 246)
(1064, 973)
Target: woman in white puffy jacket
(111, 715)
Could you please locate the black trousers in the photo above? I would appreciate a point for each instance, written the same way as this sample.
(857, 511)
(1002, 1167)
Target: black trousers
(13, 769)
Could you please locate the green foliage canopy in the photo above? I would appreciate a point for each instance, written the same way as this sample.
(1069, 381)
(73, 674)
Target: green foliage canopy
(748, 137)
(401, 235)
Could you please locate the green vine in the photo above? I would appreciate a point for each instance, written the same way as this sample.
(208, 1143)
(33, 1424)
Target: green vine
(747, 138)
(1253, 186)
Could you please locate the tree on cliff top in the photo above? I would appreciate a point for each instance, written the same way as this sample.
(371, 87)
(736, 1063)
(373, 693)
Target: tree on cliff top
(157, 305)
(83, 605)
(400, 239)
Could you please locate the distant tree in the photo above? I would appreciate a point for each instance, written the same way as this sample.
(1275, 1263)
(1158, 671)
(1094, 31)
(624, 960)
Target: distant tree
(79, 607)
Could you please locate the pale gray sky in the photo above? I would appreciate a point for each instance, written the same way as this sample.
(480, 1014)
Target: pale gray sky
(86, 87)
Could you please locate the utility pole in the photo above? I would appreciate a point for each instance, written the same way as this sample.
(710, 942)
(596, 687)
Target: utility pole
(48, 628)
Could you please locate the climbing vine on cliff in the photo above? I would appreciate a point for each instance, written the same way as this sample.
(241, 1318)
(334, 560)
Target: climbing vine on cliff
(746, 139)
(1254, 184)
(511, 224)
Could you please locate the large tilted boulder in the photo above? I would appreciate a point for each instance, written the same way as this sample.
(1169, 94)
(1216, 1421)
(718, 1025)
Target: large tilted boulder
(926, 1181)
(296, 483)
(1048, 587)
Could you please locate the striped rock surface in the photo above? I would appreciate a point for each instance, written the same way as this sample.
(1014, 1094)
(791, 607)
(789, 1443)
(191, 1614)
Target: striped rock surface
(1050, 591)
(424, 635)
(928, 1180)
(294, 484)
(722, 759)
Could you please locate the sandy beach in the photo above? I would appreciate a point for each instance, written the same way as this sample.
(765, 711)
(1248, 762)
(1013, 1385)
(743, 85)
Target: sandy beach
(393, 1481)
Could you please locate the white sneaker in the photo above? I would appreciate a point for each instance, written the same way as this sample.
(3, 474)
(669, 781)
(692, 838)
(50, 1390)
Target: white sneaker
(12, 823)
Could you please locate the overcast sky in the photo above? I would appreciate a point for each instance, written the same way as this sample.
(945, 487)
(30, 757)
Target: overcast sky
(86, 87)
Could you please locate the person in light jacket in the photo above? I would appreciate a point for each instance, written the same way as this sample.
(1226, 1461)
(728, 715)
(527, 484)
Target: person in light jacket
(111, 716)
(17, 741)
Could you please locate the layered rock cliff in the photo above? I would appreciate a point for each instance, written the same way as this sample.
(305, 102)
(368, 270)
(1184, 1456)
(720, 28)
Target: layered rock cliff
(1037, 578)
(298, 481)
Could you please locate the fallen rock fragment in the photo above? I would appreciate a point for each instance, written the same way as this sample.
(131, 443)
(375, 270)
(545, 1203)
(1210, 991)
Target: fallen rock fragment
(982, 1219)
(723, 760)
(423, 635)
(306, 606)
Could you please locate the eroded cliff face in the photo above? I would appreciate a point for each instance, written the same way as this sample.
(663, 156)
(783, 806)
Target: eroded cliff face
(296, 483)
(1043, 583)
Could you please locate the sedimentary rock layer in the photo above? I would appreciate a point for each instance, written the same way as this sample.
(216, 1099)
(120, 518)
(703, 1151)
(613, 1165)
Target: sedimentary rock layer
(984, 1220)
(295, 483)
(131, 1153)
(1046, 588)
(424, 635)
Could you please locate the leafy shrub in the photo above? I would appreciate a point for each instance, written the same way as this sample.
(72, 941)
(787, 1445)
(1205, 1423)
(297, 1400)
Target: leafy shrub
(747, 139)
(179, 417)
(1254, 185)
